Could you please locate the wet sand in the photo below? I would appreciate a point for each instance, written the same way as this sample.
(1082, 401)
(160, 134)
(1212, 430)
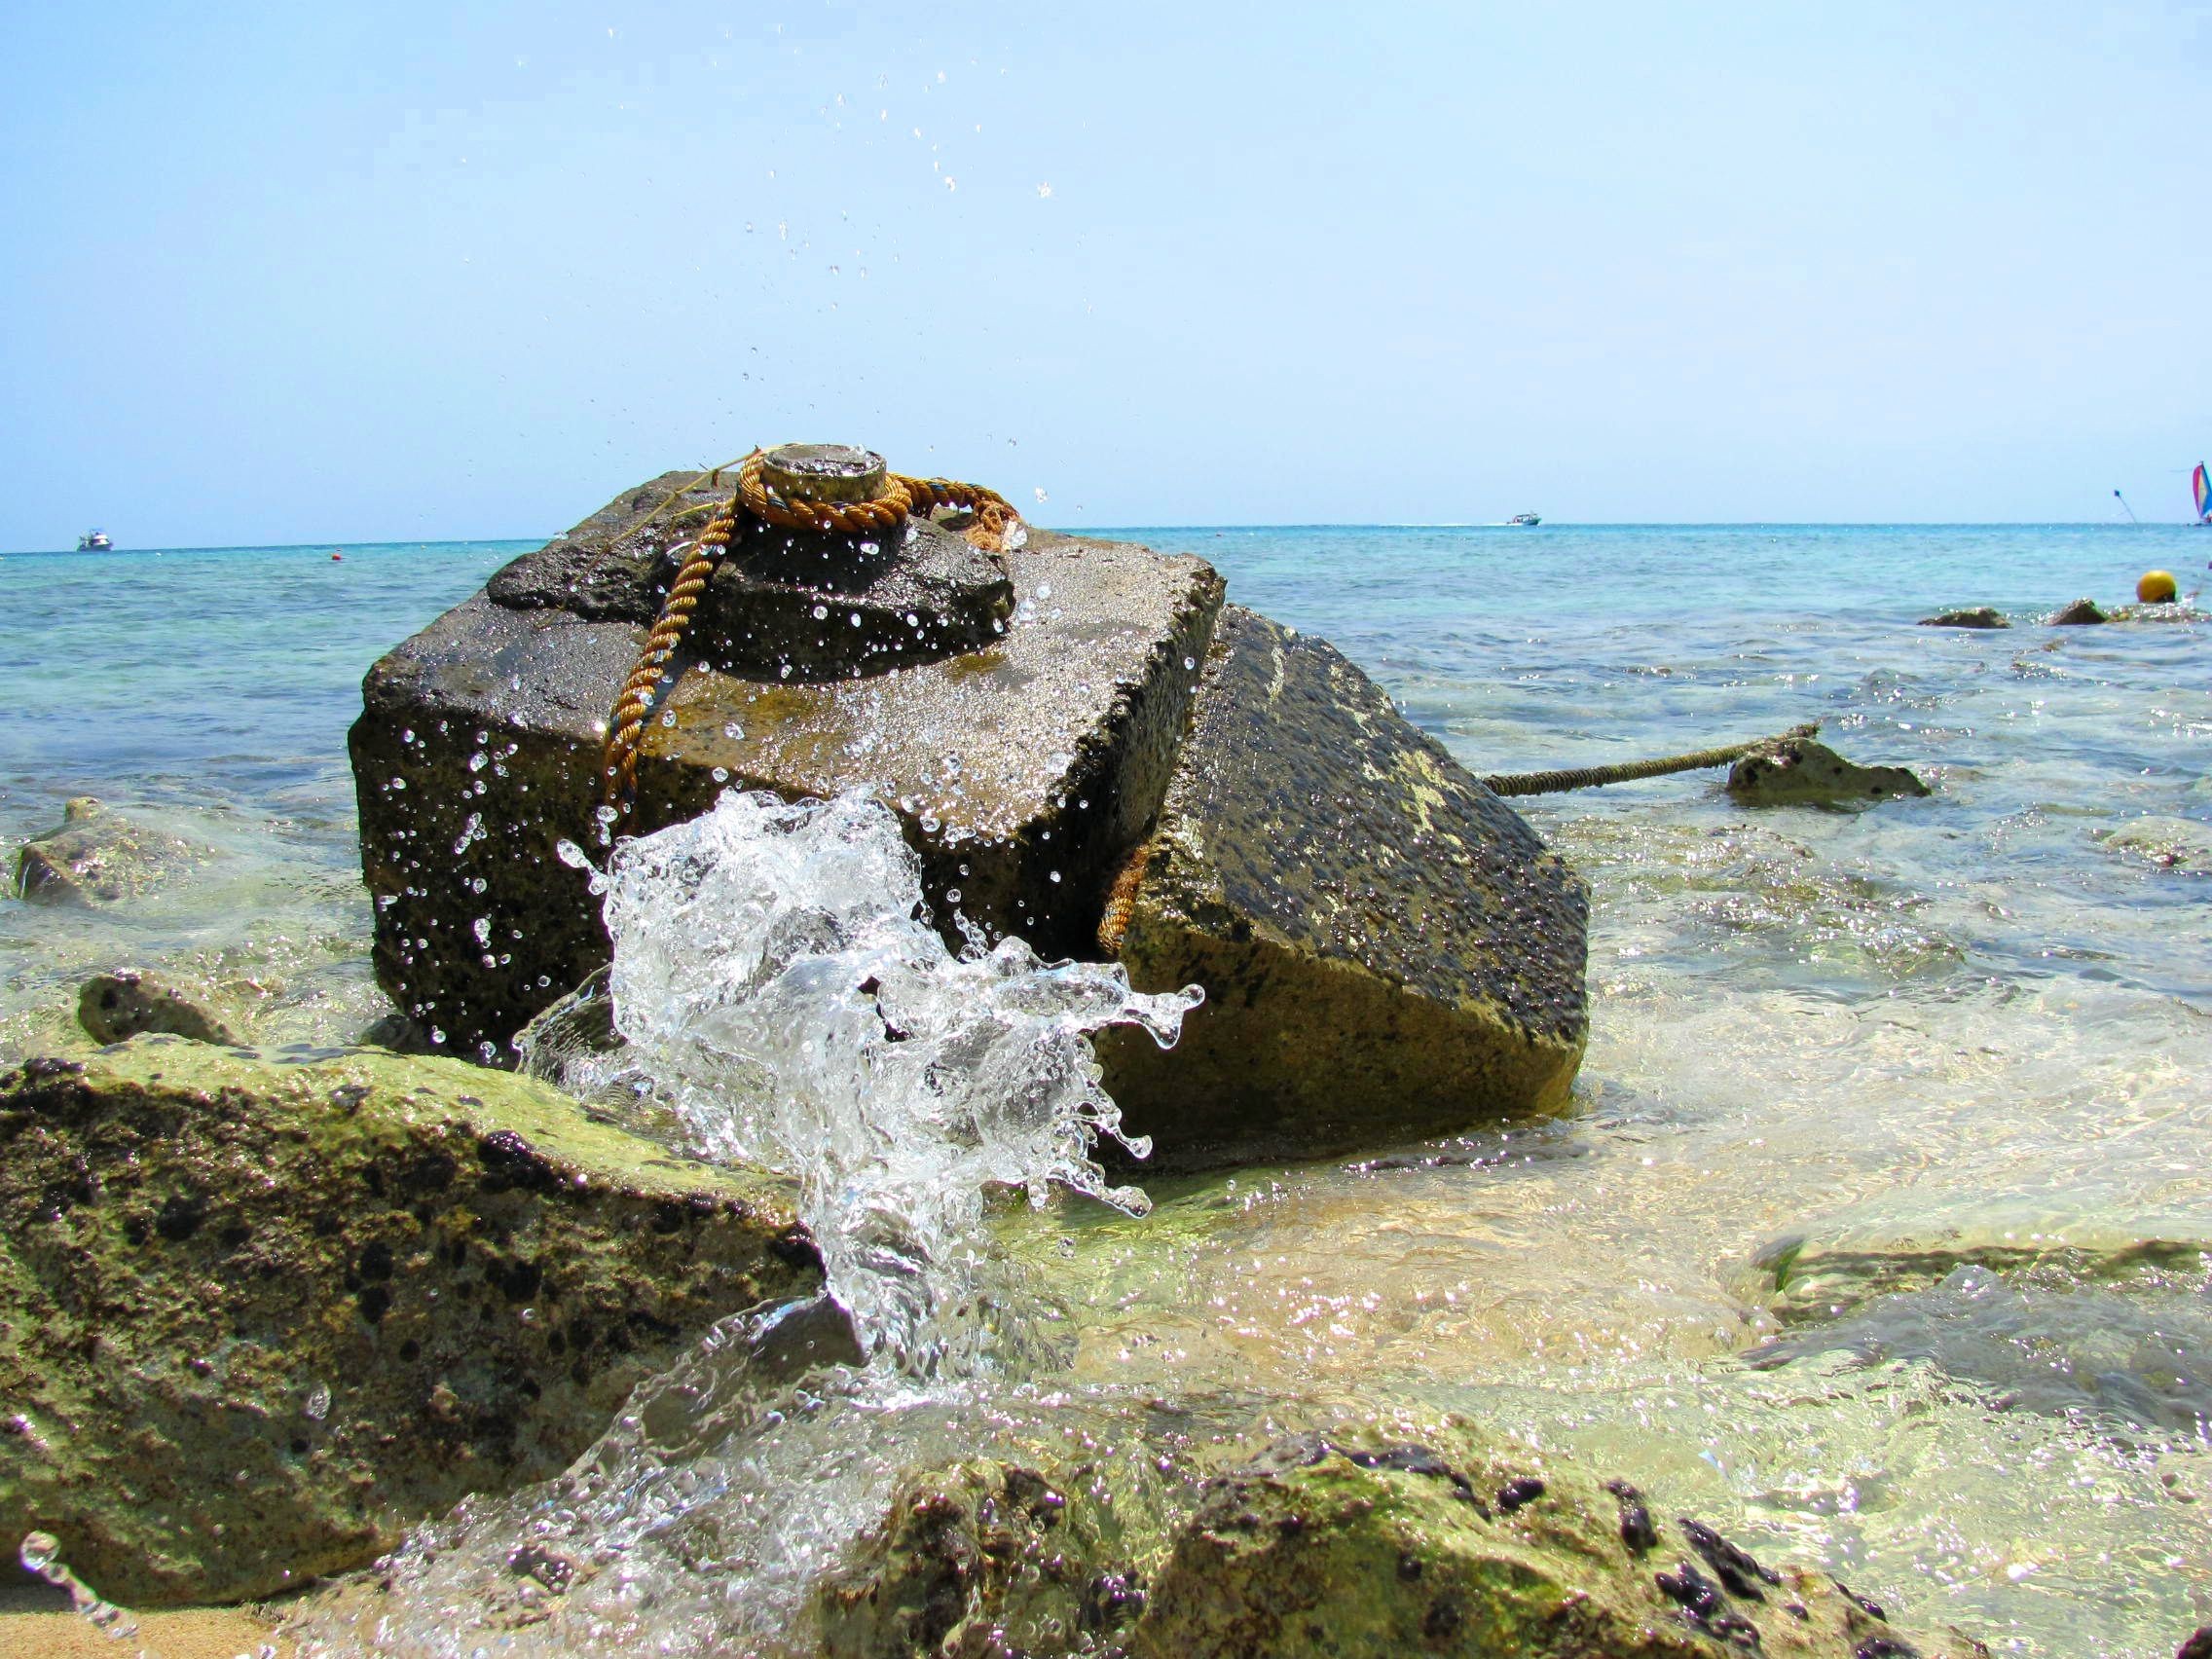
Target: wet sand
(36, 1623)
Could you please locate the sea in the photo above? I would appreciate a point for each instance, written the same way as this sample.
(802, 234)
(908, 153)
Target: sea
(1879, 1230)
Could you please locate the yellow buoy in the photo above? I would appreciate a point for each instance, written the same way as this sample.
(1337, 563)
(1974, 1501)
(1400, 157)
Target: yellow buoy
(2156, 588)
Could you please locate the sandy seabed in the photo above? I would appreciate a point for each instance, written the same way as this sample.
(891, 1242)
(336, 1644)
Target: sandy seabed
(36, 1623)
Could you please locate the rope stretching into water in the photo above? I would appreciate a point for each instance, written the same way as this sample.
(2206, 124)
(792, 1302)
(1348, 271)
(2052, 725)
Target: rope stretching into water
(898, 496)
(1592, 776)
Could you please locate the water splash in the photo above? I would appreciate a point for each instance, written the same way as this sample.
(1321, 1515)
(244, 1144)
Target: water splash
(776, 984)
(41, 1554)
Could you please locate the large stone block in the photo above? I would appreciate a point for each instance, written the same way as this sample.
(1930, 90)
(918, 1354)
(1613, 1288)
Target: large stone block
(259, 1316)
(1387, 949)
(1022, 770)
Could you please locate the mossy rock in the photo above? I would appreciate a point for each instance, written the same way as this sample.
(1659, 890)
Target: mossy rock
(260, 1315)
(1387, 949)
(1327, 1547)
(1801, 772)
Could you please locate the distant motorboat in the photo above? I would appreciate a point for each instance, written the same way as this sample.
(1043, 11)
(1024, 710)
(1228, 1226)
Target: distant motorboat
(95, 541)
(1525, 521)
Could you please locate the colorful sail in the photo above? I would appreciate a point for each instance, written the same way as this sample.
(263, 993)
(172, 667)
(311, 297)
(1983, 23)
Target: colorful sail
(2202, 483)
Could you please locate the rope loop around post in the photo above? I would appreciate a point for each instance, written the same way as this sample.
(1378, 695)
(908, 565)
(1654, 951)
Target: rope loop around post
(888, 507)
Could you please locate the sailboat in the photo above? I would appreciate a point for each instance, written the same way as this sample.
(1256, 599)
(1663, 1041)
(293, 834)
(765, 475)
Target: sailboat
(2201, 485)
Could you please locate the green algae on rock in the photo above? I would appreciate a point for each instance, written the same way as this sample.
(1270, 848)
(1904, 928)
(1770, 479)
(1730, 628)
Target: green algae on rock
(1331, 1547)
(1388, 948)
(261, 1315)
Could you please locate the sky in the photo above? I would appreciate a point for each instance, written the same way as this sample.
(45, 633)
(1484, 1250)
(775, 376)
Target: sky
(295, 274)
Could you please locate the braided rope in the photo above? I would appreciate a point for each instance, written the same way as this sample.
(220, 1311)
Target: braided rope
(1592, 776)
(995, 519)
(626, 725)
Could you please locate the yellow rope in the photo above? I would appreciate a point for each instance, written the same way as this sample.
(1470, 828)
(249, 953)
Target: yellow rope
(898, 496)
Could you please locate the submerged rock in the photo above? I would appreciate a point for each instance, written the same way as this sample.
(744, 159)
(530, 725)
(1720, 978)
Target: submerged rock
(1350, 1549)
(115, 1007)
(1387, 949)
(2081, 613)
(2181, 610)
(1801, 772)
(258, 1316)
(2171, 843)
(1847, 1259)
(96, 858)
(1977, 616)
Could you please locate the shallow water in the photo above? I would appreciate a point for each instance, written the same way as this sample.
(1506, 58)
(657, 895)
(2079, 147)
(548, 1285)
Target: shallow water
(1877, 1230)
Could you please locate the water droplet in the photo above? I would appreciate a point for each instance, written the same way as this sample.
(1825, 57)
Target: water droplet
(478, 761)
(1039, 493)
(317, 1404)
(820, 611)
(733, 731)
(1055, 876)
(1189, 662)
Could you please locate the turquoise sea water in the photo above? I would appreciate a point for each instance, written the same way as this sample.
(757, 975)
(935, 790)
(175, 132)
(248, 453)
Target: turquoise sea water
(1900, 1042)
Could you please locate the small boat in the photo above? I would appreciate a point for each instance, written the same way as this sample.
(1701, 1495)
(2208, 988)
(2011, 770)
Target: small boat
(95, 541)
(2200, 487)
(1525, 521)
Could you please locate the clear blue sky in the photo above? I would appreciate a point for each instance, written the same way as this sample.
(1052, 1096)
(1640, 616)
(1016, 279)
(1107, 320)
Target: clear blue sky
(340, 271)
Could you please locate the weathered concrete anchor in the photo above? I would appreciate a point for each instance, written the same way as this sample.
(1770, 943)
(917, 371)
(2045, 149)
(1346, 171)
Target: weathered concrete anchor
(1386, 950)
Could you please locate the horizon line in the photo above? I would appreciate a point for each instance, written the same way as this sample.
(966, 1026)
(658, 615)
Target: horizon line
(329, 543)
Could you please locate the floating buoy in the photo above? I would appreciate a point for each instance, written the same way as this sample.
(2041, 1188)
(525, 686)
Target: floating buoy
(336, 557)
(2156, 588)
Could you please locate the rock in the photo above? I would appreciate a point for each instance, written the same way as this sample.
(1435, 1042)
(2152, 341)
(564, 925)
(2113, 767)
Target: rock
(1978, 616)
(1022, 772)
(1387, 949)
(96, 858)
(2080, 613)
(1801, 772)
(2171, 843)
(1337, 1547)
(259, 1316)
(2199, 1645)
(114, 1007)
